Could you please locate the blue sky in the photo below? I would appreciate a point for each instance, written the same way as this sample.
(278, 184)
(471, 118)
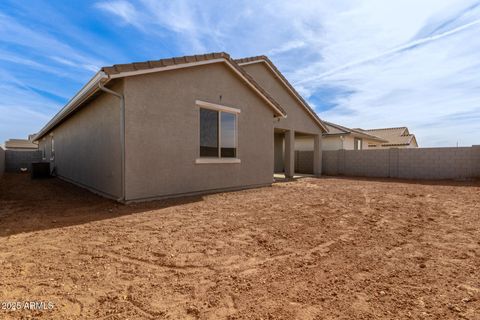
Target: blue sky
(371, 63)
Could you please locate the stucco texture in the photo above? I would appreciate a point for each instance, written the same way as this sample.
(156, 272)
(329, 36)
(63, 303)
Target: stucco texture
(87, 146)
(162, 133)
(298, 118)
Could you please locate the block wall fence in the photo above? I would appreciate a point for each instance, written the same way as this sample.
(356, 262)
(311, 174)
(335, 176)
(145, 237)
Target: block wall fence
(418, 163)
(15, 160)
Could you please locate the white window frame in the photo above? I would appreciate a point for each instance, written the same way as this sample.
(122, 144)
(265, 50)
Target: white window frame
(220, 108)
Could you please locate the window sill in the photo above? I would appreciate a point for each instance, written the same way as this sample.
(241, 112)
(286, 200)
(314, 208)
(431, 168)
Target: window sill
(216, 160)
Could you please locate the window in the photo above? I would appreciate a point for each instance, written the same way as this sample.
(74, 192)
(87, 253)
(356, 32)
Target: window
(357, 144)
(218, 132)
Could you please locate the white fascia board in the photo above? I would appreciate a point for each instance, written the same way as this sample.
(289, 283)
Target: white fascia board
(214, 106)
(216, 160)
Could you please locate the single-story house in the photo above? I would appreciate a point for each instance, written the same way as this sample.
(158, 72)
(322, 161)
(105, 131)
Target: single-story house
(180, 126)
(340, 137)
(398, 137)
(20, 145)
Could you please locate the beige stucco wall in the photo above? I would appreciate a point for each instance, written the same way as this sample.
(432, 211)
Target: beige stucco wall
(336, 143)
(279, 150)
(303, 143)
(87, 146)
(298, 118)
(162, 133)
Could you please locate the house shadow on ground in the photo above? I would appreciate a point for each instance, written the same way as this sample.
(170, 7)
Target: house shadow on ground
(33, 205)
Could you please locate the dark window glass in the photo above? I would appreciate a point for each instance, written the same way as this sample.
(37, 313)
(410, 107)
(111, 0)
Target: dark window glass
(228, 143)
(208, 133)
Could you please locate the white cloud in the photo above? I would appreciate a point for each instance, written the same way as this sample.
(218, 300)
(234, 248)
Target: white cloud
(123, 9)
(379, 63)
(391, 63)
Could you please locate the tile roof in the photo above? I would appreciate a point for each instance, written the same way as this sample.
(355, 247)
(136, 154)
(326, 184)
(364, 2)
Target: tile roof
(20, 144)
(136, 66)
(336, 129)
(265, 59)
(153, 64)
(397, 136)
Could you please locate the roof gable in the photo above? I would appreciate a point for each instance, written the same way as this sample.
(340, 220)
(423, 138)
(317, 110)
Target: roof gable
(335, 129)
(397, 136)
(286, 84)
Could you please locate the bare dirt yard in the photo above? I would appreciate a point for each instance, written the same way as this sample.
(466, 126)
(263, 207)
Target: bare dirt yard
(307, 249)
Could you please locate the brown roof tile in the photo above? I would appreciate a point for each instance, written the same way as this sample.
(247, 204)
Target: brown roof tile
(336, 129)
(396, 136)
(119, 68)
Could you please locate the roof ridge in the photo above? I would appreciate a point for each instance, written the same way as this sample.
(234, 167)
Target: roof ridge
(354, 130)
(346, 129)
(392, 128)
(265, 58)
(139, 65)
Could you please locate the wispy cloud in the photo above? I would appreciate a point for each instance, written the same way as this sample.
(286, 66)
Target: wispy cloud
(366, 63)
(121, 8)
(408, 46)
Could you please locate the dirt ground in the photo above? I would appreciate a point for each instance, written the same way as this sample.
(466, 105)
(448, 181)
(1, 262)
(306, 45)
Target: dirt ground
(308, 249)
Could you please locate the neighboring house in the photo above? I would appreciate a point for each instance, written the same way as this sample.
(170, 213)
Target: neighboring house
(179, 126)
(302, 122)
(339, 137)
(20, 145)
(397, 138)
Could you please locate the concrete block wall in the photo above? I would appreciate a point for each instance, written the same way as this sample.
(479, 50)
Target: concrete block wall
(417, 163)
(435, 163)
(14, 160)
(2, 161)
(371, 164)
(330, 162)
(304, 162)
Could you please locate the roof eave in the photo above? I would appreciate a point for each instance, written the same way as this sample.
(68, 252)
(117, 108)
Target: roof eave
(222, 58)
(270, 64)
(108, 73)
(87, 90)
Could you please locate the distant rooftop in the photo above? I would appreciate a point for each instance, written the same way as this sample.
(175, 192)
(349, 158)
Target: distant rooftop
(20, 144)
